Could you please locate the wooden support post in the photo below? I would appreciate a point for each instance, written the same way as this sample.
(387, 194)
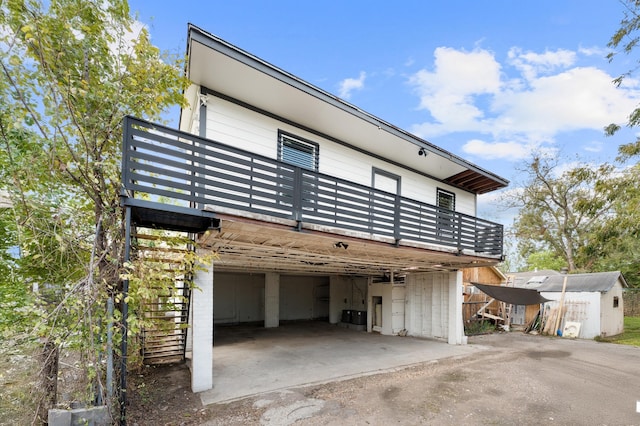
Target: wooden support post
(560, 304)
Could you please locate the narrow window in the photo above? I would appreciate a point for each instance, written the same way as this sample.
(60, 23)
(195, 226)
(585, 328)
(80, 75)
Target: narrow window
(615, 301)
(446, 199)
(298, 152)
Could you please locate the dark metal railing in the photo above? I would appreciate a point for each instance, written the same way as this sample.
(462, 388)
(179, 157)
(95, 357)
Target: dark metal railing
(177, 168)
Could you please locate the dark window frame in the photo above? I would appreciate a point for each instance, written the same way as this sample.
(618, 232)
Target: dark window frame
(440, 191)
(315, 149)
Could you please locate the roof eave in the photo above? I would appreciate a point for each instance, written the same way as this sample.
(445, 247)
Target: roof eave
(488, 180)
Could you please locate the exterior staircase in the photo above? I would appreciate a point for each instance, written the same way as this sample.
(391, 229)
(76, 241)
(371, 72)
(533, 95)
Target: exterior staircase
(164, 257)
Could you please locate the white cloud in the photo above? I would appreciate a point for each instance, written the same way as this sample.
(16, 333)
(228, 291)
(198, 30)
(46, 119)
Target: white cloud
(593, 51)
(531, 64)
(521, 105)
(348, 85)
(497, 150)
(594, 146)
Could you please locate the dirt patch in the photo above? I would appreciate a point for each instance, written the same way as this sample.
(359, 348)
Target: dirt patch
(568, 384)
(161, 395)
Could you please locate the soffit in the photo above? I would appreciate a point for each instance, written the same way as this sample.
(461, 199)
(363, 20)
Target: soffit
(246, 245)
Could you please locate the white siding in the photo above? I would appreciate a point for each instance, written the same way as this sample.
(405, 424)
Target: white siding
(427, 312)
(612, 318)
(237, 126)
(397, 308)
(580, 307)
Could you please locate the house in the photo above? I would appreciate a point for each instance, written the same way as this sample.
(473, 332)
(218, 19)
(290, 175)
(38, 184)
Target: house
(593, 300)
(315, 208)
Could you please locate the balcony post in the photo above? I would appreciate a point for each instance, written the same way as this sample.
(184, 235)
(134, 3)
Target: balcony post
(457, 223)
(396, 220)
(297, 194)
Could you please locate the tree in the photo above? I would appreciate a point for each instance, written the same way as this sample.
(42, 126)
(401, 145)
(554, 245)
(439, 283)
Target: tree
(627, 38)
(545, 260)
(559, 211)
(615, 243)
(71, 70)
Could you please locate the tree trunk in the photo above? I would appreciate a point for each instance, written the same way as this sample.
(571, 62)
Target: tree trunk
(48, 379)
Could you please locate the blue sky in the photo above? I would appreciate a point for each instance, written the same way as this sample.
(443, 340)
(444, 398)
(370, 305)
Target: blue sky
(491, 81)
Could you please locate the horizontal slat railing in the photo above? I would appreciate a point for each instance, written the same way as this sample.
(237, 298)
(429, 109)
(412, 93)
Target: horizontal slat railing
(169, 166)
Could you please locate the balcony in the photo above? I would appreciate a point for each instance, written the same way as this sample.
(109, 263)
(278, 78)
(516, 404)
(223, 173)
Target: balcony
(180, 181)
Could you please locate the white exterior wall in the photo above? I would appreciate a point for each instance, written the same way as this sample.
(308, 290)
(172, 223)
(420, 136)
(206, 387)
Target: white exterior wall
(384, 291)
(234, 125)
(247, 298)
(612, 319)
(238, 298)
(580, 307)
(303, 297)
(428, 304)
(456, 326)
(271, 300)
(346, 293)
(202, 331)
(398, 298)
(191, 114)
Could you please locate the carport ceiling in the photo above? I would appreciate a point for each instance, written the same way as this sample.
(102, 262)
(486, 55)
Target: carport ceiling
(245, 245)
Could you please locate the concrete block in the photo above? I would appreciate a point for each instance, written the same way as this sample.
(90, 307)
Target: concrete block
(58, 417)
(92, 416)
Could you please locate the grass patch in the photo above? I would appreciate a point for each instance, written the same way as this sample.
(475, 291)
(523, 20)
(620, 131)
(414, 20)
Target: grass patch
(479, 327)
(631, 335)
(18, 371)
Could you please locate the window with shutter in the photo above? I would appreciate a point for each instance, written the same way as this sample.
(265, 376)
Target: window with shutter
(446, 199)
(298, 152)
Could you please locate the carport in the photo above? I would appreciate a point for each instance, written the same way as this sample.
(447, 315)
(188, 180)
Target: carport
(251, 360)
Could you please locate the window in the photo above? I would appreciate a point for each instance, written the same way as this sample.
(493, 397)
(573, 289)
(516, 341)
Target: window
(446, 199)
(297, 151)
(446, 227)
(616, 302)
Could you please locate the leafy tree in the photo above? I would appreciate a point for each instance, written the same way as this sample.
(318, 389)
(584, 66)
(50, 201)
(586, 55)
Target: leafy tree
(70, 71)
(625, 40)
(545, 260)
(618, 239)
(559, 211)
(615, 244)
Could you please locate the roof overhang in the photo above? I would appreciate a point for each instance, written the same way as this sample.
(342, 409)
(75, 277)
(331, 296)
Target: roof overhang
(225, 69)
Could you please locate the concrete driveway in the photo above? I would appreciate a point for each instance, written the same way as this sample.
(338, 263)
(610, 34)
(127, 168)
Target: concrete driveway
(250, 360)
(502, 379)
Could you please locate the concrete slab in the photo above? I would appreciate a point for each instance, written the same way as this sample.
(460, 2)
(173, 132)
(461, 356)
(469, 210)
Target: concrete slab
(252, 360)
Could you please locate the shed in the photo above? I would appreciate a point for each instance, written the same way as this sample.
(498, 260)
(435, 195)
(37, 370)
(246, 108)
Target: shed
(594, 300)
(474, 299)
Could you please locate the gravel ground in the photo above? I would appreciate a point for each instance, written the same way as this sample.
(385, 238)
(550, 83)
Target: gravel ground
(521, 379)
